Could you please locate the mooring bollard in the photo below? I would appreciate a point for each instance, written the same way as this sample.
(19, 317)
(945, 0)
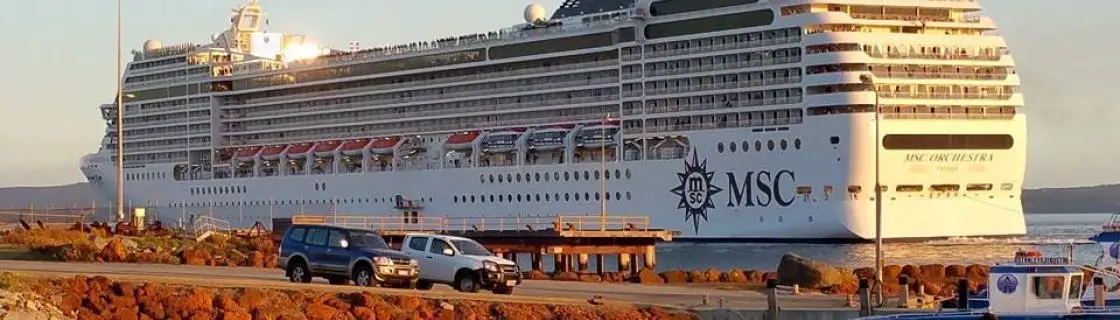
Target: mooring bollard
(864, 298)
(772, 308)
(1098, 292)
(962, 294)
(904, 292)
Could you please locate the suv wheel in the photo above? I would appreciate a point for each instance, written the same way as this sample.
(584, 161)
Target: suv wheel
(363, 276)
(467, 283)
(298, 272)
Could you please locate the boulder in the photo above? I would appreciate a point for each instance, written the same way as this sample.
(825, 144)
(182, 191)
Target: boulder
(753, 276)
(648, 276)
(590, 277)
(613, 277)
(536, 275)
(697, 276)
(733, 276)
(565, 276)
(674, 276)
(712, 275)
(954, 271)
(114, 251)
(806, 273)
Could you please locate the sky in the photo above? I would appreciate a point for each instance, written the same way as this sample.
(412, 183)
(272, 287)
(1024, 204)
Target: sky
(59, 66)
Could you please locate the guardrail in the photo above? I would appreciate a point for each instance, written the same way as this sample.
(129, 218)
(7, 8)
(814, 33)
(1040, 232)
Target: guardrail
(510, 223)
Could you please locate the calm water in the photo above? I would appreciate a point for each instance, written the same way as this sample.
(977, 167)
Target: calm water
(1050, 233)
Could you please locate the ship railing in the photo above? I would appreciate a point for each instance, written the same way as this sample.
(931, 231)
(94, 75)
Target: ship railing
(207, 223)
(10, 219)
(465, 224)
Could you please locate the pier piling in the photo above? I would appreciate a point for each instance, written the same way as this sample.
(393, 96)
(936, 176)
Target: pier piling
(773, 310)
(864, 298)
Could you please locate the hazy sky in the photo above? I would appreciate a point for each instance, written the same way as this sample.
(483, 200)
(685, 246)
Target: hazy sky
(58, 67)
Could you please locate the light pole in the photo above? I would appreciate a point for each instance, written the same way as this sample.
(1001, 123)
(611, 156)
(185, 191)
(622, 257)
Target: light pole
(120, 121)
(866, 79)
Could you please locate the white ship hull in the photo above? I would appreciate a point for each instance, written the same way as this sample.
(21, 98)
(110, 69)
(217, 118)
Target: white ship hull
(771, 210)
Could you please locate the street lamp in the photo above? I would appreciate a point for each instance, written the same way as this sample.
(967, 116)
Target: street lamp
(868, 80)
(120, 121)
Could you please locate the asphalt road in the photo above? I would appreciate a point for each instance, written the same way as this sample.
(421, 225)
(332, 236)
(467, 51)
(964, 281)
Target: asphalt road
(530, 291)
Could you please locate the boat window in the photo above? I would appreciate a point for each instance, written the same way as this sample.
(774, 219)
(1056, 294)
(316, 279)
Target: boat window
(1075, 287)
(1049, 287)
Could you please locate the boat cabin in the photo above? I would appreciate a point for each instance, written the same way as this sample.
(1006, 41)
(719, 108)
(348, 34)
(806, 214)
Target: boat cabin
(1035, 285)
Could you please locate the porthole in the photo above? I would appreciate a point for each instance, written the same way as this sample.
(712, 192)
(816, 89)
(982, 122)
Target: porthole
(586, 175)
(617, 174)
(538, 197)
(500, 179)
(617, 195)
(746, 146)
(472, 198)
(627, 195)
(491, 178)
(537, 176)
(567, 197)
(509, 177)
(597, 196)
(719, 147)
(596, 174)
(518, 178)
(758, 145)
(770, 145)
(566, 176)
(519, 198)
(509, 198)
(491, 198)
(547, 197)
(608, 195)
(587, 196)
(731, 146)
(797, 143)
(627, 173)
(527, 176)
(556, 176)
(556, 196)
(784, 144)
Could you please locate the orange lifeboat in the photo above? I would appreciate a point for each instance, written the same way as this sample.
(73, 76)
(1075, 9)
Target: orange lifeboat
(1028, 253)
(355, 146)
(326, 148)
(247, 153)
(224, 155)
(273, 152)
(385, 145)
(461, 140)
(299, 150)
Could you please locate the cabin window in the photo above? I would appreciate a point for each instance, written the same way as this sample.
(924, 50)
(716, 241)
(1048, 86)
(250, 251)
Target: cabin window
(1049, 287)
(1075, 287)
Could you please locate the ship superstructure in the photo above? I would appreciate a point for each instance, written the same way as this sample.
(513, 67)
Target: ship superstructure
(737, 119)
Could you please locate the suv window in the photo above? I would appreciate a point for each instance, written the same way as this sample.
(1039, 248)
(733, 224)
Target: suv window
(297, 234)
(336, 237)
(418, 243)
(317, 236)
(438, 246)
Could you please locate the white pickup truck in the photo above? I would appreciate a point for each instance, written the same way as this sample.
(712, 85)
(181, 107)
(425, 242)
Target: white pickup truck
(461, 263)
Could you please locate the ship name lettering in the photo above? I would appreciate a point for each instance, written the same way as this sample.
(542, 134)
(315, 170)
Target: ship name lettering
(950, 157)
(760, 189)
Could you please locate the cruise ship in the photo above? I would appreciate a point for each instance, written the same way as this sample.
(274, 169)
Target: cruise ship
(728, 120)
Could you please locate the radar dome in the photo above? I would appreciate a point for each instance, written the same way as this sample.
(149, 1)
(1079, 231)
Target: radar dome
(535, 12)
(152, 44)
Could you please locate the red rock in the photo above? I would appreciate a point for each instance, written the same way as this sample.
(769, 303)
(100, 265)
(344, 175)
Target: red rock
(954, 271)
(590, 277)
(674, 277)
(712, 275)
(933, 271)
(536, 275)
(648, 276)
(236, 315)
(697, 276)
(565, 276)
(733, 276)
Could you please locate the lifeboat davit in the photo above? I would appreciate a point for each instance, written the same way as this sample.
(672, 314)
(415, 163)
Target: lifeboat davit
(461, 140)
(248, 153)
(273, 152)
(326, 148)
(354, 147)
(299, 150)
(385, 145)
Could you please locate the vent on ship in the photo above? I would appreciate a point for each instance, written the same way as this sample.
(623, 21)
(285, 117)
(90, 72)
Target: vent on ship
(572, 8)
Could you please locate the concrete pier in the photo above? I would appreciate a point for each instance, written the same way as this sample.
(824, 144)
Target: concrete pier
(569, 240)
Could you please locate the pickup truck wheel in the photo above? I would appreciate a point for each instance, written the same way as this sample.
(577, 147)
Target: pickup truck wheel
(503, 289)
(467, 283)
(297, 272)
(424, 285)
(363, 276)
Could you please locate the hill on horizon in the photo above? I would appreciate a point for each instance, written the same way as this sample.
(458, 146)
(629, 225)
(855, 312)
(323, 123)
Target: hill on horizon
(1091, 199)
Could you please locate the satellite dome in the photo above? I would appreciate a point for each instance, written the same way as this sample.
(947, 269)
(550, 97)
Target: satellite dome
(644, 6)
(535, 12)
(152, 44)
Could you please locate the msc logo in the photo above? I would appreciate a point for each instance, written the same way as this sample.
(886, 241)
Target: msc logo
(696, 190)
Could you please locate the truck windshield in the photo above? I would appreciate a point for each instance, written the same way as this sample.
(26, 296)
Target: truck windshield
(471, 248)
(368, 240)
